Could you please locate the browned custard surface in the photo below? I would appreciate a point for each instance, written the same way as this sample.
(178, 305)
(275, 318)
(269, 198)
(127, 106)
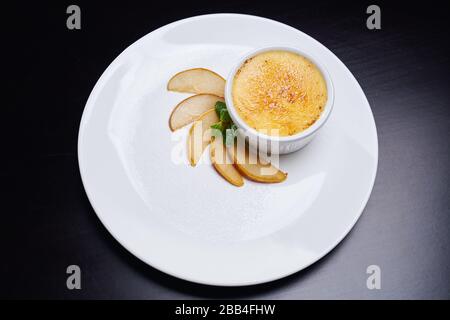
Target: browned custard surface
(279, 93)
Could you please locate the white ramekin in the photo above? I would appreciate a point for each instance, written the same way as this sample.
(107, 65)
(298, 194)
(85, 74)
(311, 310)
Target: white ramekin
(273, 144)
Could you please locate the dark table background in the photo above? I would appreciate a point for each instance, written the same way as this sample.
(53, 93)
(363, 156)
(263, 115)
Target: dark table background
(47, 221)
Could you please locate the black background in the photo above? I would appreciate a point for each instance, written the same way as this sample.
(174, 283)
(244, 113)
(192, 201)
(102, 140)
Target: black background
(47, 222)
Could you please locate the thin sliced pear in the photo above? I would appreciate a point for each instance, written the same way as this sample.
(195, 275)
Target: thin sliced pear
(190, 109)
(198, 80)
(261, 171)
(200, 135)
(225, 168)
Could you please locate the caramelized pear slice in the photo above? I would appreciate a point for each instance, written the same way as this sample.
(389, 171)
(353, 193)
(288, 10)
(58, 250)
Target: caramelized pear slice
(254, 168)
(223, 166)
(198, 80)
(190, 109)
(200, 135)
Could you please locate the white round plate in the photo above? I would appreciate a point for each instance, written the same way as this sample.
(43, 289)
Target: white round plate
(189, 222)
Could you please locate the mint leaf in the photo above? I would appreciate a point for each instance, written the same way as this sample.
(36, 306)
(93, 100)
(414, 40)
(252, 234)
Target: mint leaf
(218, 126)
(225, 126)
(224, 115)
(220, 106)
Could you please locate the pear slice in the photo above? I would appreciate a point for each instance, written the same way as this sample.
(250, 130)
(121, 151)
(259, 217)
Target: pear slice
(198, 80)
(258, 170)
(200, 135)
(191, 109)
(225, 168)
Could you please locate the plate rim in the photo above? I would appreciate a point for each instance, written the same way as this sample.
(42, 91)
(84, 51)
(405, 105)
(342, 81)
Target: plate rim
(88, 107)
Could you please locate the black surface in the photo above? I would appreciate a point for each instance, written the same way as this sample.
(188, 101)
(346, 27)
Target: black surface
(48, 223)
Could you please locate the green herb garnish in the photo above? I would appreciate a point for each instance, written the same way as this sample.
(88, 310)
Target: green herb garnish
(219, 106)
(225, 126)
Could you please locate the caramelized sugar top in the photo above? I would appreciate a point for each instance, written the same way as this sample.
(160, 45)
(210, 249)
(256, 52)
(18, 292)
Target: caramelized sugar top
(279, 93)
